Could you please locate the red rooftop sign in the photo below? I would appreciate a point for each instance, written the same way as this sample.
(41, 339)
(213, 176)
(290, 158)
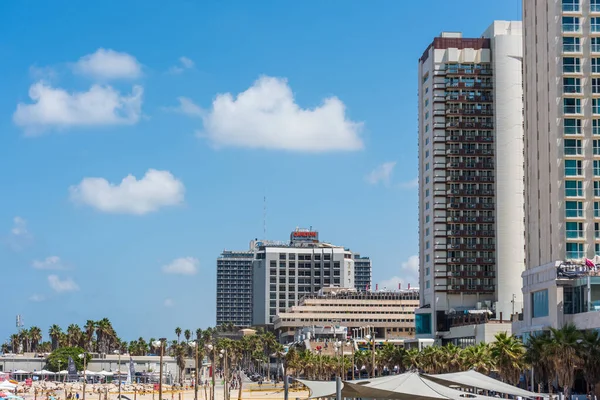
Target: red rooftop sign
(305, 234)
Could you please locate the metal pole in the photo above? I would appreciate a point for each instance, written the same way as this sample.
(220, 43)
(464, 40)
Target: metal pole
(160, 379)
(338, 388)
(352, 359)
(226, 395)
(196, 383)
(286, 388)
(84, 377)
(214, 371)
(373, 357)
(120, 375)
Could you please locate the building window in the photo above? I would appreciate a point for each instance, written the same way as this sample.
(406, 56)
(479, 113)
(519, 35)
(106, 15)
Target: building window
(595, 5)
(573, 188)
(595, 85)
(596, 167)
(595, 45)
(570, 5)
(595, 106)
(571, 65)
(596, 230)
(596, 209)
(539, 303)
(596, 147)
(570, 24)
(572, 126)
(572, 106)
(571, 44)
(427, 285)
(572, 147)
(574, 209)
(426, 218)
(571, 85)
(427, 271)
(573, 167)
(596, 126)
(574, 250)
(595, 24)
(426, 257)
(423, 324)
(574, 230)
(595, 65)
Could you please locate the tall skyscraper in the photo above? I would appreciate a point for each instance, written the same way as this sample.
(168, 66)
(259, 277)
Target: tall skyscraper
(234, 287)
(471, 212)
(562, 129)
(362, 273)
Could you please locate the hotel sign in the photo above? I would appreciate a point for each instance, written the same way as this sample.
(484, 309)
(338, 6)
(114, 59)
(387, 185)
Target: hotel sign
(304, 235)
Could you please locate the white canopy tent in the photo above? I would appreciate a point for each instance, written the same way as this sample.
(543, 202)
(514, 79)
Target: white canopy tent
(43, 373)
(105, 373)
(407, 386)
(6, 385)
(474, 379)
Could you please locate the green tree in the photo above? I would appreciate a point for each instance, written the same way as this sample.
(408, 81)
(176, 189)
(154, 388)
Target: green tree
(60, 358)
(508, 354)
(178, 333)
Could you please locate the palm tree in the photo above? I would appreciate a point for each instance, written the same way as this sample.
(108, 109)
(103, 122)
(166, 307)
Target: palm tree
(178, 333)
(54, 332)
(508, 353)
(590, 354)
(187, 335)
(478, 358)
(73, 335)
(179, 353)
(539, 356)
(565, 347)
(35, 334)
(90, 329)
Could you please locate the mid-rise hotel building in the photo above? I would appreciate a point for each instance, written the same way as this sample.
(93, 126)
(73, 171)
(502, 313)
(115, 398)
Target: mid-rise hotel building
(234, 288)
(471, 211)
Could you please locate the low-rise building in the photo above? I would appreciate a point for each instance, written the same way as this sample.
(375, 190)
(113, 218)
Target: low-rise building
(559, 293)
(390, 314)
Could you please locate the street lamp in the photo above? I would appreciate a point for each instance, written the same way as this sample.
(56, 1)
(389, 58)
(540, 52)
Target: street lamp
(119, 353)
(369, 337)
(212, 348)
(195, 345)
(223, 355)
(83, 356)
(348, 344)
(159, 343)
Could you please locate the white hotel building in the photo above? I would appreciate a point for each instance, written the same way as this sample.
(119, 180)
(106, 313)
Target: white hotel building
(471, 202)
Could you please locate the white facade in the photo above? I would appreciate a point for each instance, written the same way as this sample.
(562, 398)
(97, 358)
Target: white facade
(283, 274)
(471, 203)
(562, 129)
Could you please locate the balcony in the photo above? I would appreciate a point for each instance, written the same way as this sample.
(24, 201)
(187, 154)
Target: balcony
(465, 233)
(465, 246)
(472, 288)
(466, 178)
(462, 111)
(471, 260)
(469, 192)
(470, 206)
(469, 138)
(464, 219)
(452, 70)
(463, 165)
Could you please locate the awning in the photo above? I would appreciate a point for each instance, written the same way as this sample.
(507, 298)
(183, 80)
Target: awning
(474, 379)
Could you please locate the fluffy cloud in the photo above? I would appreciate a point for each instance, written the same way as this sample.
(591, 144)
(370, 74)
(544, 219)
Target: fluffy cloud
(19, 227)
(188, 107)
(381, 174)
(267, 116)
(60, 286)
(413, 183)
(182, 266)
(184, 63)
(409, 273)
(155, 190)
(19, 236)
(50, 263)
(59, 109)
(108, 64)
(37, 298)
(169, 303)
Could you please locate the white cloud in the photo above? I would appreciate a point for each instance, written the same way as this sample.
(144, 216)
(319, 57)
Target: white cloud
(19, 236)
(184, 63)
(408, 274)
(169, 303)
(42, 73)
(57, 108)
(182, 266)
(60, 286)
(188, 107)
(381, 174)
(267, 116)
(19, 227)
(50, 263)
(155, 190)
(108, 64)
(36, 298)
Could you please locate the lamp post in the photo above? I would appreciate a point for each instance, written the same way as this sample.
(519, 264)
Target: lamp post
(348, 344)
(369, 337)
(223, 355)
(119, 353)
(83, 356)
(212, 348)
(160, 343)
(195, 344)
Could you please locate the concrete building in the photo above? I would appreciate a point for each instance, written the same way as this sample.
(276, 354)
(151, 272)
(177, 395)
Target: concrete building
(556, 294)
(471, 212)
(283, 273)
(362, 273)
(390, 314)
(234, 287)
(562, 130)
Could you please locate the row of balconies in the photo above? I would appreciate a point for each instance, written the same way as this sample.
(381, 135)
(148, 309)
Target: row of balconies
(467, 178)
(472, 165)
(470, 260)
(465, 246)
(476, 152)
(468, 192)
(471, 233)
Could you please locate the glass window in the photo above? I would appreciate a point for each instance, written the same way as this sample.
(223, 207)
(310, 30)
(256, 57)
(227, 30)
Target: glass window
(595, 65)
(572, 106)
(539, 303)
(595, 24)
(573, 209)
(572, 147)
(570, 5)
(595, 5)
(572, 126)
(570, 24)
(595, 85)
(595, 45)
(596, 230)
(595, 106)
(571, 65)
(596, 167)
(596, 209)
(571, 44)
(574, 250)
(596, 147)
(596, 126)
(574, 230)
(423, 324)
(571, 85)
(573, 188)
(572, 167)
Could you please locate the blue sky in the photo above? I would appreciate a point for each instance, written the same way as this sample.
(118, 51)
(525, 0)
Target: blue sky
(138, 140)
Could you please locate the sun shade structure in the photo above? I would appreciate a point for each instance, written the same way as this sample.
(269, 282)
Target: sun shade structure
(407, 386)
(473, 379)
